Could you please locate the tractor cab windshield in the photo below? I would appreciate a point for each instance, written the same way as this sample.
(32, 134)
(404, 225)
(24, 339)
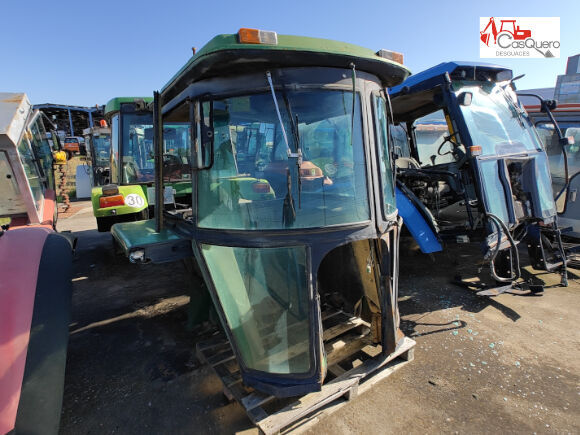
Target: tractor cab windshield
(254, 184)
(495, 120)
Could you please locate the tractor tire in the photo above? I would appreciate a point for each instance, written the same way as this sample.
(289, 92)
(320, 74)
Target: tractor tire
(42, 391)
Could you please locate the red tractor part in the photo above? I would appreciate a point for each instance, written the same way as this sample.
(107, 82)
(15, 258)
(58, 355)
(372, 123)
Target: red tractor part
(485, 36)
(34, 315)
(515, 31)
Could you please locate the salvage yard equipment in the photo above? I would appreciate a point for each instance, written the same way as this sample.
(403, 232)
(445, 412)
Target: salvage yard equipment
(129, 194)
(98, 143)
(471, 167)
(293, 206)
(74, 145)
(35, 284)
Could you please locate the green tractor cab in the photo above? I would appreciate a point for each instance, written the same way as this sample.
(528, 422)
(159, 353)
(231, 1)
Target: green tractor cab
(128, 194)
(292, 211)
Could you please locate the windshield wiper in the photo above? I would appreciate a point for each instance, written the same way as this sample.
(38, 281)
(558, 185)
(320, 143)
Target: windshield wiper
(298, 153)
(289, 210)
(297, 147)
(513, 105)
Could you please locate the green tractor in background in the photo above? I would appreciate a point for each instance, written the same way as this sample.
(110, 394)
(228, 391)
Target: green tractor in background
(129, 196)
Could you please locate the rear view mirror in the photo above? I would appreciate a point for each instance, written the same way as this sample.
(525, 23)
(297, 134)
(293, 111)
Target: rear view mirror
(548, 105)
(464, 99)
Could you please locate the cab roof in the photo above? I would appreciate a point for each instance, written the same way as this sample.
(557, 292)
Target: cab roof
(458, 70)
(14, 109)
(224, 54)
(114, 104)
(415, 97)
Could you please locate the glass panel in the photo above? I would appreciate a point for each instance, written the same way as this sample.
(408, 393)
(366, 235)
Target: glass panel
(139, 153)
(541, 178)
(31, 170)
(384, 155)
(253, 184)
(42, 150)
(101, 147)
(430, 133)
(265, 297)
(138, 164)
(496, 122)
(400, 142)
(549, 137)
(176, 157)
(493, 189)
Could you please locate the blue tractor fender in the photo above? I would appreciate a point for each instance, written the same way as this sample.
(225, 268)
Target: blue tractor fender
(416, 223)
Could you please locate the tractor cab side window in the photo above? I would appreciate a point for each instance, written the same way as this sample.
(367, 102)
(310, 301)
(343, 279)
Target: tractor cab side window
(385, 166)
(31, 170)
(41, 147)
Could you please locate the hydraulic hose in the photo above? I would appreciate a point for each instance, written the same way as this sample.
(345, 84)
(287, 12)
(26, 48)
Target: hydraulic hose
(500, 225)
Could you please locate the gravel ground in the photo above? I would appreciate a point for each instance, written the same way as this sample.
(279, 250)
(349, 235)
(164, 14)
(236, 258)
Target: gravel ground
(481, 365)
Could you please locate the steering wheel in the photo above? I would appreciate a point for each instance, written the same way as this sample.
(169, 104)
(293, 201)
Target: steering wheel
(445, 140)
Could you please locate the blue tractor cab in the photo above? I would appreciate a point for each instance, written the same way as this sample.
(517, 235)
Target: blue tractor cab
(471, 168)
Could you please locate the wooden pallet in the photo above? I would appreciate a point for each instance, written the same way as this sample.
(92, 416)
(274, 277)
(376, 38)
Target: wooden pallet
(354, 366)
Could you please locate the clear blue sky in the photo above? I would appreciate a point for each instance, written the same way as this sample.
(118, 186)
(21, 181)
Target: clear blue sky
(86, 52)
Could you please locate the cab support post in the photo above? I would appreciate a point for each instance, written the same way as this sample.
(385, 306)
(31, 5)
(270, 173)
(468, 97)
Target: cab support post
(158, 146)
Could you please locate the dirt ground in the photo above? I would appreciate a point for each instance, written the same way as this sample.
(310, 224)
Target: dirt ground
(482, 365)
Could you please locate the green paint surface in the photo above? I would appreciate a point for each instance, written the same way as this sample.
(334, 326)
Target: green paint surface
(114, 105)
(132, 235)
(97, 192)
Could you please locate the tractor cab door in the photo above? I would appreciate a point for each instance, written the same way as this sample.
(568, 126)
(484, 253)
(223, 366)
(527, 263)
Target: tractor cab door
(567, 198)
(570, 214)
